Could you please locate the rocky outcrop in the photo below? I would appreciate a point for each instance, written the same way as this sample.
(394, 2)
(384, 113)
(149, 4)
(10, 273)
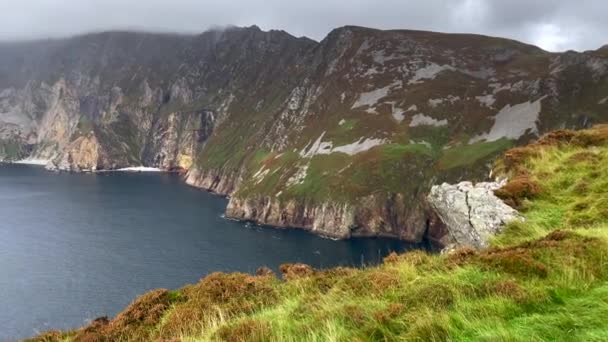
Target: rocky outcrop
(81, 155)
(216, 181)
(174, 139)
(328, 219)
(471, 212)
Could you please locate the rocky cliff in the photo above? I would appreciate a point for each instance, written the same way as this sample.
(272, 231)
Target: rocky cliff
(117, 99)
(343, 137)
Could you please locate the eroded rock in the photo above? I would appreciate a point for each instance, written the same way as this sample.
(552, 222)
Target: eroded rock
(471, 212)
(80, 155)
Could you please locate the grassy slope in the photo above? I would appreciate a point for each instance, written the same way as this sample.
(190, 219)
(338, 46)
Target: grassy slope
(543, 280)
(11, 150)
(385, 169)
(8, 150)
(381, 171)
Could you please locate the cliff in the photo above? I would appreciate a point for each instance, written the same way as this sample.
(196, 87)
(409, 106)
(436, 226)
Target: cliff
(147, 99)
(343, 137)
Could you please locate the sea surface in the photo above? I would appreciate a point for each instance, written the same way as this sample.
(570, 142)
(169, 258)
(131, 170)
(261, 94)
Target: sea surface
(74, 247)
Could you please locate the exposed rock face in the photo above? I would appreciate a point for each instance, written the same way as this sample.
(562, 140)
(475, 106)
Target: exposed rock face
(471, 213)
(329, 219)
(174, 139)
(371, 217)
(343, 137)
(219, 182)
(81, 155)
(149, 99)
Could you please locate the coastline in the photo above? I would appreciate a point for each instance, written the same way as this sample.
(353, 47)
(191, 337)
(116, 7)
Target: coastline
(44, 162)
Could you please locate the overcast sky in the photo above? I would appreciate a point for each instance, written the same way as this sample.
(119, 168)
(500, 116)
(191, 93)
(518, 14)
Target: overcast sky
(554, 25)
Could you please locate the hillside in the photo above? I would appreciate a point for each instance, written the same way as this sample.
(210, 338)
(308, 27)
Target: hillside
(545, 279)
(342, 137)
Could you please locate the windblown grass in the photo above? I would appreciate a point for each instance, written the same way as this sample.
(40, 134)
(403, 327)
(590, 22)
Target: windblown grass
(542, 280)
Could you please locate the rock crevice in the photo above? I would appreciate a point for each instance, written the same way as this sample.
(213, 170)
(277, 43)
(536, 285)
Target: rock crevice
(471, 212)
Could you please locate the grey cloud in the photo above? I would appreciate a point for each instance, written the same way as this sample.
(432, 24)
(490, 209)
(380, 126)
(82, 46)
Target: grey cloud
(552, 24)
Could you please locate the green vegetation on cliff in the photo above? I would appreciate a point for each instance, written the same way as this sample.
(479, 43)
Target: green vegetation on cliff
(406, 168)
(11, 150)
(542, 280)
(338, 176)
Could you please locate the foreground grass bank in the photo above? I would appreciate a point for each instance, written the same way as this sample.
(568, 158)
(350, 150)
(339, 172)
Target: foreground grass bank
(543, 280)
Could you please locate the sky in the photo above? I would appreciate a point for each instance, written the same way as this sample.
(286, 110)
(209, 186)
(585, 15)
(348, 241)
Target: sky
(555, 25)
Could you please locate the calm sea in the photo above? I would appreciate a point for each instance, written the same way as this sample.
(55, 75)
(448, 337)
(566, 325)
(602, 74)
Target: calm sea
(74, 247)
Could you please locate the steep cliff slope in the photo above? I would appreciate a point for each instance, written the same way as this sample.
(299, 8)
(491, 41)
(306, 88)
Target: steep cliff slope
(344, 137)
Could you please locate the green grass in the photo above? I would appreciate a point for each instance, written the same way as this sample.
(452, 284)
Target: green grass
(574, 193)
(542, 280)
(11, 150)
(438, 137)
(85, 125)
(394, 151)
(348, 125)
(379, 172)
(466, 155)
(260, 156)
(339, 177)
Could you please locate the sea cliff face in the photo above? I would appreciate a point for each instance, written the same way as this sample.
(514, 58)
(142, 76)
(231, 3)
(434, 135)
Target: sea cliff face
(371, 217)
(219, 182)
(330, 219)
(118, 99)
(343, 137)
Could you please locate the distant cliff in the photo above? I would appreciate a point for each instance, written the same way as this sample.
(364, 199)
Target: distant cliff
(342, 137)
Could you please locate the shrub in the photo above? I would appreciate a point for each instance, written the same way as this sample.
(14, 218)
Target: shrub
(518, 261)
(296, 271)
(517, 190)
(250, 330)
(513, 159)
(229, 294)
(508, 288)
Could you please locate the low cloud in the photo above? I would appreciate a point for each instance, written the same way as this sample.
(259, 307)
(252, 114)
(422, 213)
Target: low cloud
(552, 24)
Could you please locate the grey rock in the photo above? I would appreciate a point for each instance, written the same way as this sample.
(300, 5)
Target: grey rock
(471, 212)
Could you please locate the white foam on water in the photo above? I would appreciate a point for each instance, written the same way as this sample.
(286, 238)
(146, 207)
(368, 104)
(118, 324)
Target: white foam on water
(140, 169)
(37, 162)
